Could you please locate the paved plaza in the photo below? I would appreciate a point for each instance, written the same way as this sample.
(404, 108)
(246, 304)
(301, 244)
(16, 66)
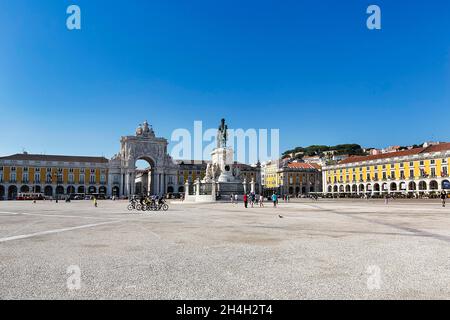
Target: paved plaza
(326, 249)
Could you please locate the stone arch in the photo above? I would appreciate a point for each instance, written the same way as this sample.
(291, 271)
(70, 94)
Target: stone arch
(59, 190)
(348, 188)
(330, 189)
(341, 189)
(402, 186)
(434, 185)
(354, 188)
(422, 186)
(145, 145)
(444, 183)
(147, 176)
(2, 192)
(70, 190)
(376, 187)
(361, 188)
(12, 192)
(291, 190)
(102, 190)
(115, 191)
(24, 189)
(412, 186)
(48, 191)
(393, 186)
(181, 189)
(37, 189)
(81, 189)
(335, 188)
(92, 190)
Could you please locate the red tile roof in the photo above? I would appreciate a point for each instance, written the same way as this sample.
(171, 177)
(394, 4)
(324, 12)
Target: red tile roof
(302, 165)
(432, 148)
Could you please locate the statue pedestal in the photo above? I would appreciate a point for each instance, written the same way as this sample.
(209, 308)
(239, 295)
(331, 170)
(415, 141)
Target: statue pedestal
(224, 159)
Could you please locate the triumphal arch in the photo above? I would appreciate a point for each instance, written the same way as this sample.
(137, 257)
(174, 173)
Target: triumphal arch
(144, 145)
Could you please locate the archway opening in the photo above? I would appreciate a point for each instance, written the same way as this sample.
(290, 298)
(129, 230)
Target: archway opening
(2, 192)
(70, 190)
(48, 191)
(143, 182)
(393, 186)
(445, 185)
(434, 185)
(59, 190)
(12, 192)
(422, 186)
(115, 191)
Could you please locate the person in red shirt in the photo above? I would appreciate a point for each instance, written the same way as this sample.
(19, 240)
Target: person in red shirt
(245, 200)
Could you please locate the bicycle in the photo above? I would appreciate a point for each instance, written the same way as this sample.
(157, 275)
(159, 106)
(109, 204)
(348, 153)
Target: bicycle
(132, 205)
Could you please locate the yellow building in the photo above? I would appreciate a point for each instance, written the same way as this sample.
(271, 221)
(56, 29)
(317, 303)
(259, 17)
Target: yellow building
(52, 175)
(414, 171)
(293, 178)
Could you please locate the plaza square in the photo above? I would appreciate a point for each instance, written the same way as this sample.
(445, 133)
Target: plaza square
(304, 249)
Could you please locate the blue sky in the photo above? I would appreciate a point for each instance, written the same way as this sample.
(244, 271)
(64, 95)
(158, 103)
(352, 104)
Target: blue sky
(310, 68)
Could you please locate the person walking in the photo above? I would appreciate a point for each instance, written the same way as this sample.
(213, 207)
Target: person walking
(275, 200)
(252, 198)
(261, 201)
(245, 200)
(95, 202)
(232, 198)
(443, 197)
(236, 198)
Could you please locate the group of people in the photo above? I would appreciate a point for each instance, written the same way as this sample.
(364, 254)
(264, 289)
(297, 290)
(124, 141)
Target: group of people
(253, 199)
(154, 199)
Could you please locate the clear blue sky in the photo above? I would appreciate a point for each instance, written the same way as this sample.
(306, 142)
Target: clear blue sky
(310, 68)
